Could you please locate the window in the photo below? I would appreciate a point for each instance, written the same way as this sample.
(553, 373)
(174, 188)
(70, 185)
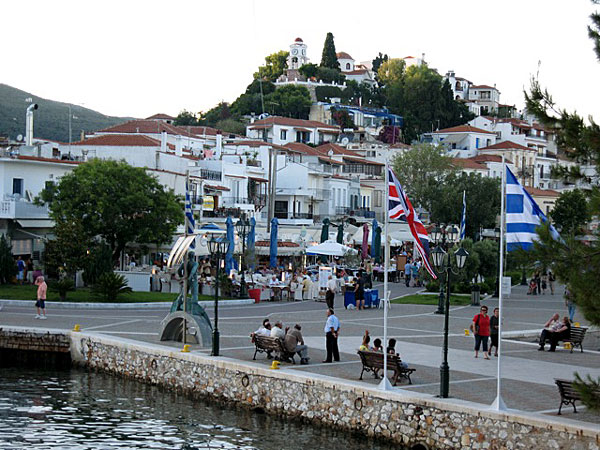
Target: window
(18, 186)
(476, 142)
(283, 135)
(485, 95)
(541, 171)
(378, 198)
(347, 66)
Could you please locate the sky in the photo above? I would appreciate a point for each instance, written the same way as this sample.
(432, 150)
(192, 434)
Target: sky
(137, 58)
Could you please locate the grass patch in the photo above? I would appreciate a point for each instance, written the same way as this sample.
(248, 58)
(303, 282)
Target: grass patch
(424, 299)
(83, 295)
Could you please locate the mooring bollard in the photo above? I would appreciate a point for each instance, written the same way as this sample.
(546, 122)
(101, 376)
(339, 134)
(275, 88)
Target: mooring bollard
(77, 328)
(186, 348)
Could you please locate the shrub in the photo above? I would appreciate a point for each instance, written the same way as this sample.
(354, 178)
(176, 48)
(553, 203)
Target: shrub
(62, 286)
(110, 286)
(8, 267)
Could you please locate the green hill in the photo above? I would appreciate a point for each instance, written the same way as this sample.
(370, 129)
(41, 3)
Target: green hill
(51, 119)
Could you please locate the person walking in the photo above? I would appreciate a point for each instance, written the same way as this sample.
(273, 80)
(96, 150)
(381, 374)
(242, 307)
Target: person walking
(494, 328)
(551, 280)
(20, 270)
(359, 291)
(569, 303)
(544, 282)
(407, 272)
(330, 294)
(332, 332)
(40, 304)
(481, 330)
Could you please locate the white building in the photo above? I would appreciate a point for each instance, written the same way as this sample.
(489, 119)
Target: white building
(462, 141)
(283, 130)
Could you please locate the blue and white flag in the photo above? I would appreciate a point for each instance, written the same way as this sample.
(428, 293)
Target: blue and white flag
(463, 221)
(190, 223)
(523, 216)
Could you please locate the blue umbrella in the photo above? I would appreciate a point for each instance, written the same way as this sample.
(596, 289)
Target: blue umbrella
(273, 248)
(251, 240)
(230, 238)
(375, 225)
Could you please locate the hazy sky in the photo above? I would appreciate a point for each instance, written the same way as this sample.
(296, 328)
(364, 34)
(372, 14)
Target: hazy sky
(137, 58)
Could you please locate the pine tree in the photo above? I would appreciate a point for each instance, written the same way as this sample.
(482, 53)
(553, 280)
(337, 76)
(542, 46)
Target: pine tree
(8, 268)
(329, 57)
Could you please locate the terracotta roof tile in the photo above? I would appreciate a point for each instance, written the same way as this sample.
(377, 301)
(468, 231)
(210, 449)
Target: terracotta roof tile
(288, 121)
(463, 129)
(542, 192)
(343, 55)
(148, 127)
(52, 160)
(468, 163)
(506, 145)
(362, 161)
(120, 140)
(160, 116)
(490, 158)
(304, 149)
(337, 149)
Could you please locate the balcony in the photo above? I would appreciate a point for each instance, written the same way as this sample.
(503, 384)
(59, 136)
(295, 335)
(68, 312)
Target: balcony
(20, 209)
(214, 175)
(363, 212)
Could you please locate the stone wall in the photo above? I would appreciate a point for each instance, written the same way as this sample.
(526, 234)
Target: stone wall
(34, 340)
(407, 419)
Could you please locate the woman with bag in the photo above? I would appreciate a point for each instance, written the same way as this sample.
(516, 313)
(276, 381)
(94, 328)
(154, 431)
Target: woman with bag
(481, 329)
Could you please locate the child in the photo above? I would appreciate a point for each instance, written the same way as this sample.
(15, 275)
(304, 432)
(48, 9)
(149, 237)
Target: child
(365, 342)
(377, 346)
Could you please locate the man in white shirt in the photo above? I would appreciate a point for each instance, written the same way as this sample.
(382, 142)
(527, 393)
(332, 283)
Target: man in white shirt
(277, 331)
(332, 331)
(330, 294)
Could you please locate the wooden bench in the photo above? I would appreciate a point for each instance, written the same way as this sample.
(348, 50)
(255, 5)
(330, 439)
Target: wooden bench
(267, 344)
(568, 394)
(576, 338)
(373, 362)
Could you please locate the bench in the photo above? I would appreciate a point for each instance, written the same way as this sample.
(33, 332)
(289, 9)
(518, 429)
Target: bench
(373, 362)
(568, 394)
(268, 344)
(576, 338)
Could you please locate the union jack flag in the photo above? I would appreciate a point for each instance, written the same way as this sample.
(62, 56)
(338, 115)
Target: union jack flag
(400, 208)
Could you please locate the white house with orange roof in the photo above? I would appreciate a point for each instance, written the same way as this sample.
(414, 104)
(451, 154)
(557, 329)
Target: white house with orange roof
(353, 71)
(523, 159)
(283, 130)
(462, 141)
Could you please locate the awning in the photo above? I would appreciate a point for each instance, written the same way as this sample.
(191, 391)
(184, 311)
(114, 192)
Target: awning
(260, 180)
(216, 188)
(36, 223)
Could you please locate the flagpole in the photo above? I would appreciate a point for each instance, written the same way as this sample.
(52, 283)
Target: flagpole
(185, 260)
(385, 384)
(499, 404)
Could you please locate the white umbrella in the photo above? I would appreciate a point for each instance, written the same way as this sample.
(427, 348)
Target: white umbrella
(331, 249)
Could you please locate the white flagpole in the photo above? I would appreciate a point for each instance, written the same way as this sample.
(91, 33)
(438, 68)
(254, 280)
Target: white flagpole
(499, 404)
(385, 384)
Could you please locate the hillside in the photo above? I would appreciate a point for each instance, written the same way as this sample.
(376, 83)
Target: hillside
(51, 120)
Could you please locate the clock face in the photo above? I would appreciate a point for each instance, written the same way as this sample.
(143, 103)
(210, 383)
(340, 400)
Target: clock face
(294, 51)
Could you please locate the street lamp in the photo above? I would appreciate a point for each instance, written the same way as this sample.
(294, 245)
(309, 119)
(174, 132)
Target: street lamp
(443, 238)
(443, 264)
(243, 229)
(218, 247)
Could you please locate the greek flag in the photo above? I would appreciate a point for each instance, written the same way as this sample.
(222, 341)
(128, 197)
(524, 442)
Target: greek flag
(523, 216)
(463, 221)
(190, 223)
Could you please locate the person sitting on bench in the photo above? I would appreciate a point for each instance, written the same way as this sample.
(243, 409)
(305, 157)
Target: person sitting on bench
(550, 327)
(561, 334)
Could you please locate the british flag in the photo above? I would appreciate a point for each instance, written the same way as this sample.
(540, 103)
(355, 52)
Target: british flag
(400, 208)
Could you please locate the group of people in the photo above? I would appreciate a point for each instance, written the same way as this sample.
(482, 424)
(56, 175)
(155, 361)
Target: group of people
(25, 270)
(555, 330)
(411, 273)
(378, 346)
(486, 328)
(292, 338)
(539, 283)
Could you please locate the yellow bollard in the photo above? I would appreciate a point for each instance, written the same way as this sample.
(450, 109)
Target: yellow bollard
(577, 324)
(77, 327)
(467, 332)
(275, 365)
(186, 348)
(567, 346)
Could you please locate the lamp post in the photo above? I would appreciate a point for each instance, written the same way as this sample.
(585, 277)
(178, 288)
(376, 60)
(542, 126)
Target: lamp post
(243, 229)
(217, 246)
(443, 264)
(443, 238)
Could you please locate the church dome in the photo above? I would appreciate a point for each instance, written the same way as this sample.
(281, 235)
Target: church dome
(298, 40)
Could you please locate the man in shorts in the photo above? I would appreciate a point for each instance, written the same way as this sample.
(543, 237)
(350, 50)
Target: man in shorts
(40, 304)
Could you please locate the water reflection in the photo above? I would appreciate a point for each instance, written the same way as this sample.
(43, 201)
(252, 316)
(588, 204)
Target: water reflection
(78, 410)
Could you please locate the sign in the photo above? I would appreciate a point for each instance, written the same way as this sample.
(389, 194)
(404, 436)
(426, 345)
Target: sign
(506, 285)
(324, 273)
(208, 203)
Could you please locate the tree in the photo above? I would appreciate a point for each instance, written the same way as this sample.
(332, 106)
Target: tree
(69, 248)
(326, 93)
(292, 101)
(377, 62)
(185, 118)
(482, 197)
(8, 267)
(231, 126)
(328, 75)
(309, 70)
(421, 170)
(570, 211)
(253, 100)
(115, 203)
(342, 118)
(390, 134)
(574, 262)
(391, 71)
(329, 56)
(276, 63)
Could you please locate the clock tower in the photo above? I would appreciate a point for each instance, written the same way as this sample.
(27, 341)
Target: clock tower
(297, 56)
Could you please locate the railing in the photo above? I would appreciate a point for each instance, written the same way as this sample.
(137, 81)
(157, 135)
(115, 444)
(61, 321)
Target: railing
(208, 174)
(342, 210)
(253, 163)
(320, 167)
(363, 212)
(13, 209)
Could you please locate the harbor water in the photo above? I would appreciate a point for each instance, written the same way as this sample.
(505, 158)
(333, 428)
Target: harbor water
(74, 409)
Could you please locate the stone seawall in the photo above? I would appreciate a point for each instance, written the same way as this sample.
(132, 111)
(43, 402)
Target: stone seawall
(407, 418)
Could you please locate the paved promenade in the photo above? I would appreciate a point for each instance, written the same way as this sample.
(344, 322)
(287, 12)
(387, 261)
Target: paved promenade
(528, 375)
